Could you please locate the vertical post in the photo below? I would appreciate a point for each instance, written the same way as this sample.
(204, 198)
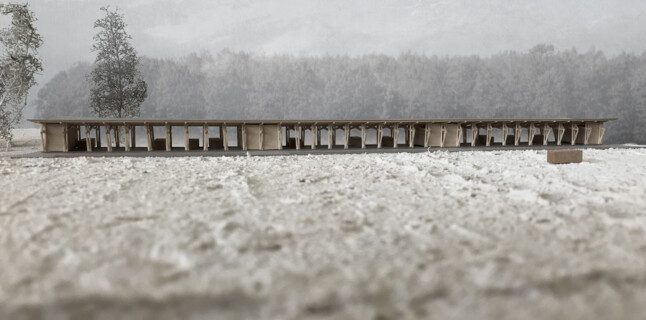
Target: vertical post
(88, 141)
(205, 137)
(66, 147)
(244, 137)
(411, 135)
(279, 135)
(489, 134)
(602, 131)
(346, 132)
(186, 148)
(43, 136)
(108, 136)
(427, 134)
(330, 142)
(395, 135)
(443, 135)
(475, 132)
(532, 133)
(313, 130)
(380, 134)
(546, 133)
(149, 137)
(126, 139)
(297, 136)
(225, 138)
(575, 133)
(363, 136)
(505, 133)
(168, 137)
(518, 130)
(261, 137)
(561, 132)
(588, 131)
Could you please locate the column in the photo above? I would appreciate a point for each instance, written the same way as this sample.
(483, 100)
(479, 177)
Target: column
(88, 141)
(186, 148)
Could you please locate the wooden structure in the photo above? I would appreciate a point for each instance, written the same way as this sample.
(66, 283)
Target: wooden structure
(87, 134)
(564, 156)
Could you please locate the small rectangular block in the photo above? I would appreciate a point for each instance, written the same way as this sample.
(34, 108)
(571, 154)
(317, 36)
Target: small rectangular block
(215, 143)
(81, 144)
(564, 156)
(159, 144)
(354, 142)
(482, 140)
(193, 144)
(291, 143)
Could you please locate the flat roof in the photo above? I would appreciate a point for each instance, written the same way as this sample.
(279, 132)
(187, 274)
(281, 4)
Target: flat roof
(142, 121)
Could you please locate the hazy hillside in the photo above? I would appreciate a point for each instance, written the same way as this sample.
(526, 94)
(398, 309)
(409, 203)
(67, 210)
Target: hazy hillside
(229, 85)
(359, 27)
(170, 28)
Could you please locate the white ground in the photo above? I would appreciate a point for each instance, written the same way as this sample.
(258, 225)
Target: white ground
(465, 235)
(24, 141)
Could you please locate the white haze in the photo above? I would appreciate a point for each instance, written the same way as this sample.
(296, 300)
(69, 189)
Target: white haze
(174, 28)
(171, 28)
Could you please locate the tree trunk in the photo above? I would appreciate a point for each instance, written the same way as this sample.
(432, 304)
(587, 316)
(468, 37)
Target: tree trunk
(8, 146)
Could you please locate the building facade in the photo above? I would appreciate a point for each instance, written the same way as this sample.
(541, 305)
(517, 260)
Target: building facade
(89, 134)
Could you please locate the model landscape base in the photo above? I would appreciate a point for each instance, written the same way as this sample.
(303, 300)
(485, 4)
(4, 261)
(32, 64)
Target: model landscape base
(236, 152)
(85, 134)
(445, 235)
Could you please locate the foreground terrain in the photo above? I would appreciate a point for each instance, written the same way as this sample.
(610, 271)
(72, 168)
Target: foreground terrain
(463, 235)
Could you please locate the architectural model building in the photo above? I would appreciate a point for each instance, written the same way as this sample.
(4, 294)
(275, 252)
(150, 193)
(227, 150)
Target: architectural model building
(84, 134)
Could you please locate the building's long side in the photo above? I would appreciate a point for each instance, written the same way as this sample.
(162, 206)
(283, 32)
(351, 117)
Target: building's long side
(65, 135)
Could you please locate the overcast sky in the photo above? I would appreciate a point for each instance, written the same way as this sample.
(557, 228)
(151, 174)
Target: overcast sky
(172, 28)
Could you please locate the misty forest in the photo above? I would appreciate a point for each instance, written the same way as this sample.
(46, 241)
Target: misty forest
(541, 83)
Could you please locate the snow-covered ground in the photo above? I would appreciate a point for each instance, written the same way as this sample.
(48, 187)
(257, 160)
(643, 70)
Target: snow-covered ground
(463, 235)
(24, 141)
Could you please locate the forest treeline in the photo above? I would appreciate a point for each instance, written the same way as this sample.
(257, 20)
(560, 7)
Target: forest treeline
(541, 82)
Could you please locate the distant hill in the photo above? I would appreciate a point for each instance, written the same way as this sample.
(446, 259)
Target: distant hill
(173, 28)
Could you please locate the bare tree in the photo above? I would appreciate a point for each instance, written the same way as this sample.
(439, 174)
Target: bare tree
(19, 63)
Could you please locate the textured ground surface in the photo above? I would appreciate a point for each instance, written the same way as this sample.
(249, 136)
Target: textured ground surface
(464, 235)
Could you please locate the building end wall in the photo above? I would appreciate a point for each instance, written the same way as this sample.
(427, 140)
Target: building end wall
(269, 137)
(55, 138)
(595, 134)
(452, 135)
(436, 135)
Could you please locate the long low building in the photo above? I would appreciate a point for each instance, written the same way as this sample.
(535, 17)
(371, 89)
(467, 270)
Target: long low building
(88, 134)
